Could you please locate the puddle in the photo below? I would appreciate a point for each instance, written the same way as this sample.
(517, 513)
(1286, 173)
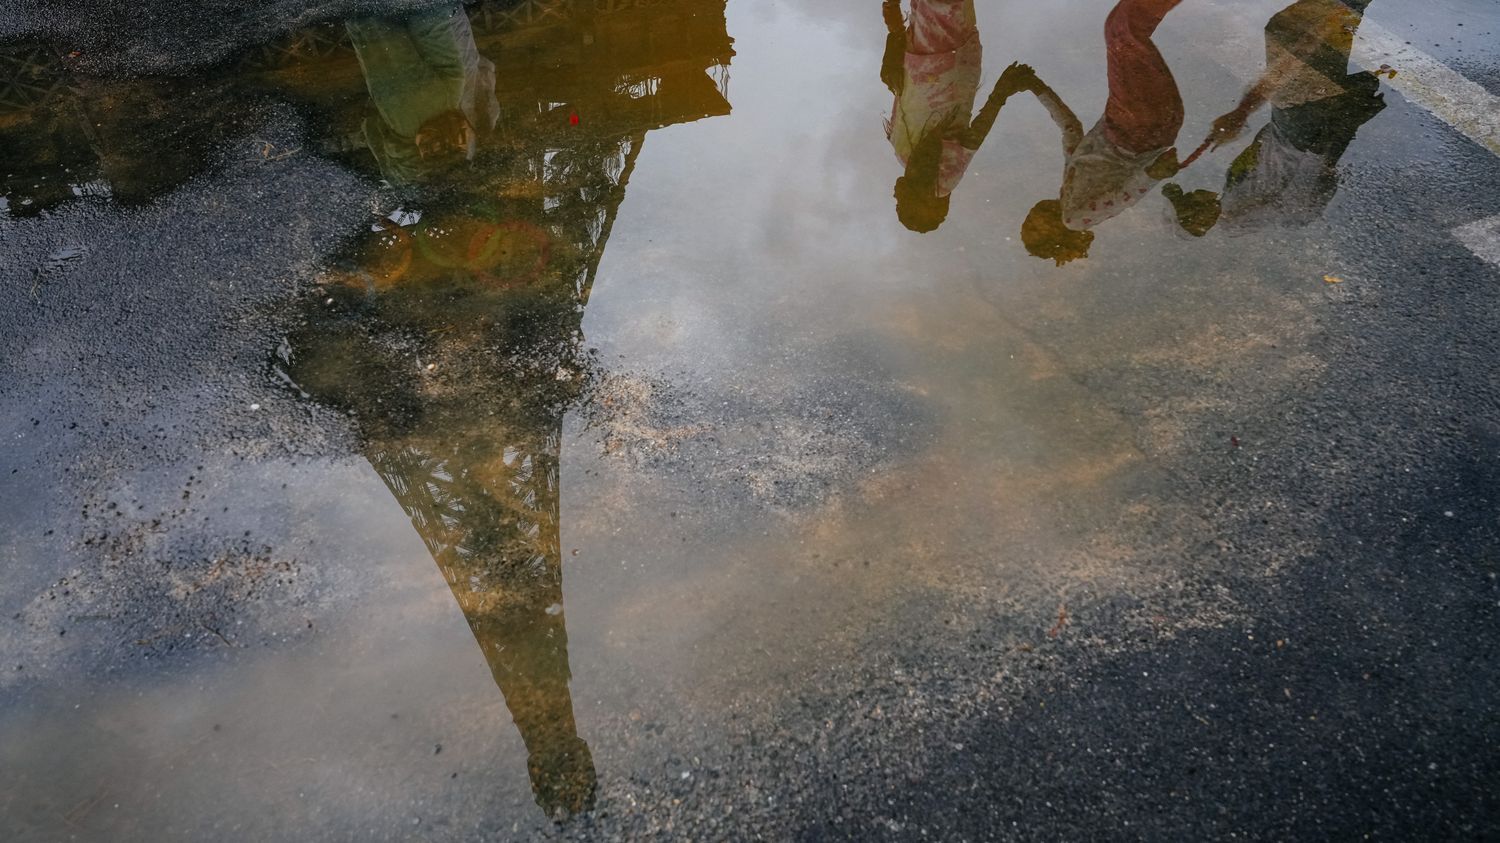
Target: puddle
(543, 417)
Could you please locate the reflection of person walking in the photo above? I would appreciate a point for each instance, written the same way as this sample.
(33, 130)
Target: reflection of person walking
(932, 66)
(1108, 170)
(430, 87)
(1289, 172)
(1128, 150)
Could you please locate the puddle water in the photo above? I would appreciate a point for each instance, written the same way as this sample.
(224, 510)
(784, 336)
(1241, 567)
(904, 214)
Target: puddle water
(508, 417)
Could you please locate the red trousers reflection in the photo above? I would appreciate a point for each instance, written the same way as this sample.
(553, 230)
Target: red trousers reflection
(1144, 111)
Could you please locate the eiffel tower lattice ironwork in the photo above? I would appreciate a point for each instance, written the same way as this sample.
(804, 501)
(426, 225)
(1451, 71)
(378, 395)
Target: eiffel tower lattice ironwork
(30, 77)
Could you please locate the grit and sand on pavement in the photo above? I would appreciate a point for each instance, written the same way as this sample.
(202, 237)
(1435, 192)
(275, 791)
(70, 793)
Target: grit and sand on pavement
(865, 535)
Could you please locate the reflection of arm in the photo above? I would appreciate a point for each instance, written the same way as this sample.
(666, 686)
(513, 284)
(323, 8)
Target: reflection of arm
(893, 63)
(984, 121)
(1017, 78)
(1255, 97)
(1228, 125)
(1286, 60)
(1066, 120)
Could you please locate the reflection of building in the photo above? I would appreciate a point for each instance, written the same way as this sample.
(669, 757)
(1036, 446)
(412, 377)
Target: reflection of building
(456, 340)
(639, 64)
(490, 521)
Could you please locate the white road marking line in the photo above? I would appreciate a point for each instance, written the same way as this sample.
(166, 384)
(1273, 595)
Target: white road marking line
(1461, 103)
(1482, 238)
(1427, 82)
(1424, 81)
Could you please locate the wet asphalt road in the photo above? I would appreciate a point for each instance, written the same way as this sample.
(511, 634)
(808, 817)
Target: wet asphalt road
(1352, 695)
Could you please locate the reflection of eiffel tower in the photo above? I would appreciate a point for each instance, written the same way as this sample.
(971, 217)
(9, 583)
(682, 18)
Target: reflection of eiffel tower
(47, 147)
(492, 527)
(30, 77)
(474, 459)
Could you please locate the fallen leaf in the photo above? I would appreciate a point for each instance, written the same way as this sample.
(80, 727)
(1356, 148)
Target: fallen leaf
(1062, 621)
(1332, 279)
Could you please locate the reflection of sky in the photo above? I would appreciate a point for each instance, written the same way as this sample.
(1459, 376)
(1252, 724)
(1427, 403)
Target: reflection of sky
(750, 247)
(740, 229)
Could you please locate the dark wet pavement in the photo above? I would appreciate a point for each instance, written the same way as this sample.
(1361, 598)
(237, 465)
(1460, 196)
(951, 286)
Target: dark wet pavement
(680, 420)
